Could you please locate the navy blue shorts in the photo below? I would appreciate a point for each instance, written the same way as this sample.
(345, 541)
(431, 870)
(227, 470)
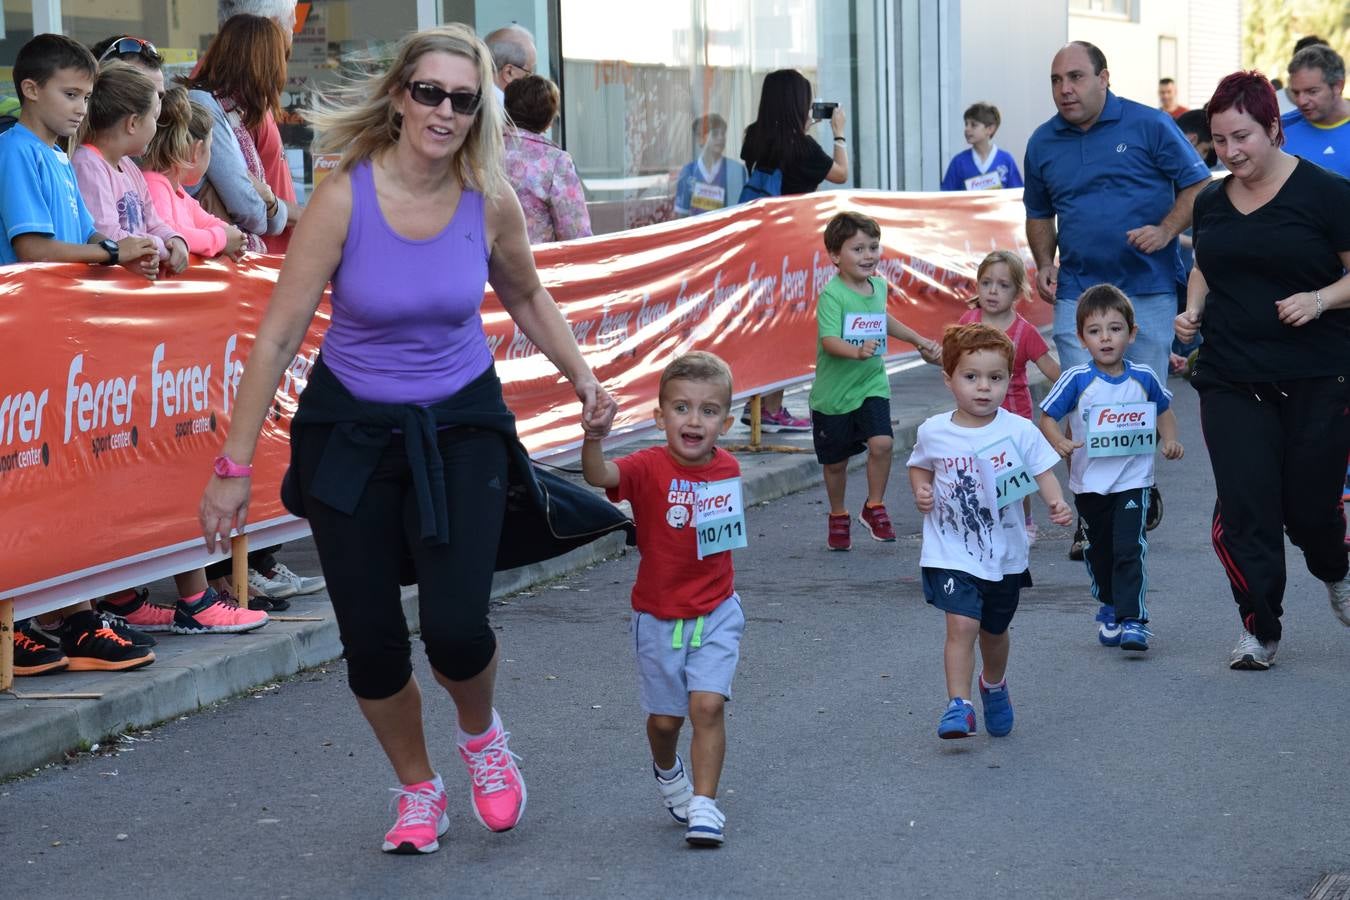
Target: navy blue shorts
(839, 437)
(991, 602)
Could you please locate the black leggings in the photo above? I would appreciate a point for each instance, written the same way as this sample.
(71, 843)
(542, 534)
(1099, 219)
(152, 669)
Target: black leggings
(1278, 451)
(362, 554)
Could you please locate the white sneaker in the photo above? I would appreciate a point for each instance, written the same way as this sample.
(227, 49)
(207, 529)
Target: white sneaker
(1252, 654)
(676, 793)
(705, 822)
(284, 583)
(1338, 592)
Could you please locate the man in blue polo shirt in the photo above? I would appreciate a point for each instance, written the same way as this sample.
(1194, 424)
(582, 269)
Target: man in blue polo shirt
(1110, 184)
(1319, 130)
(1120, 178)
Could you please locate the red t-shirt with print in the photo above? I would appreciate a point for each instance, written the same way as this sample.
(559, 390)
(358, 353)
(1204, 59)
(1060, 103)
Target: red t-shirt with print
(672, 582)
(1029, 346)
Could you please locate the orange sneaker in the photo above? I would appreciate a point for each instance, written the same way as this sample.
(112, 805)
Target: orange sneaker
(208, 614)
(91, 645)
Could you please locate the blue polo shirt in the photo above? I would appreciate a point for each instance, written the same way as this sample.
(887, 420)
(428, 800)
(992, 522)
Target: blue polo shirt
(1328, 146)
(1123, 172)
(38, 193)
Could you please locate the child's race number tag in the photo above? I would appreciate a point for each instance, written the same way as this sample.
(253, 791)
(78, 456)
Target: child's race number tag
(1122, 429)
(859, 328)
(989, 181)
(708, 196)
(1012, 481)
(719, 517)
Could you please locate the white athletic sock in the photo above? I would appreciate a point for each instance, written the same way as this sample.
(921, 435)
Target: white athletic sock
(463, 737)
(667, 774)
(993, 687)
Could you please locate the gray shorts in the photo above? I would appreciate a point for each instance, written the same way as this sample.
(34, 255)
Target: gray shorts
(676, 656)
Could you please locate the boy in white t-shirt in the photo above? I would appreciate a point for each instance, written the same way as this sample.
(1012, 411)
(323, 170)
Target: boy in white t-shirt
(1122, 411)
(969, 471)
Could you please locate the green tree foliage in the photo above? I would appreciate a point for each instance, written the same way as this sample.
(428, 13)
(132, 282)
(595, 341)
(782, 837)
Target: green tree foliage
(1270, 28)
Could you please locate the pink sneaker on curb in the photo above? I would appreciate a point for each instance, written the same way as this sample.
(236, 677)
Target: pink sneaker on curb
(421, 819)
(141, 614)
(782, 420)
(210, 615)
(498, 790)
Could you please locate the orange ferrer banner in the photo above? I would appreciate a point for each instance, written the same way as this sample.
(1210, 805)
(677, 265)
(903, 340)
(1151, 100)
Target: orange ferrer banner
(115, 393)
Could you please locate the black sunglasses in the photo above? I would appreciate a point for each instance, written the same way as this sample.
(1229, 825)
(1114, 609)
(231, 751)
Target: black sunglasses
(127, 46)
(465, 103)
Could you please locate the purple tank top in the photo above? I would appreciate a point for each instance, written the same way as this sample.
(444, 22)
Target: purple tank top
(406, 326)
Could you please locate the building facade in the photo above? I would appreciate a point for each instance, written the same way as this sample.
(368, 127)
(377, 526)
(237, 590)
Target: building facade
(636, 74)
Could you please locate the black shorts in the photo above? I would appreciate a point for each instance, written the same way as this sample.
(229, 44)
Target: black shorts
(839, 437)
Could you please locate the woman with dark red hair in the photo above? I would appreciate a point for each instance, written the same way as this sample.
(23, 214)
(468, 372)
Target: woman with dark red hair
(1270, 294)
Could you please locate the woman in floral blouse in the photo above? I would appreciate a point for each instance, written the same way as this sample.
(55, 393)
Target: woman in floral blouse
(542, 173)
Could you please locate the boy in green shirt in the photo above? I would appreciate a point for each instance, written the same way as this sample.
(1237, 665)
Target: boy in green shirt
(851, 396)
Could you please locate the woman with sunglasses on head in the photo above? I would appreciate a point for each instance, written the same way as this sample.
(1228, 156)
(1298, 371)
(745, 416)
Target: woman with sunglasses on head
(137, 51)
(240, 81)
(402, 443)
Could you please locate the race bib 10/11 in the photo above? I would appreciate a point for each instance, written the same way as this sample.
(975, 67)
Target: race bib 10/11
(719, 516)
(1012, 481)
(1122, 429)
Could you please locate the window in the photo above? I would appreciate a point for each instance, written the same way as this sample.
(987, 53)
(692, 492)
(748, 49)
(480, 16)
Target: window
(1121, 8)
(630, 106)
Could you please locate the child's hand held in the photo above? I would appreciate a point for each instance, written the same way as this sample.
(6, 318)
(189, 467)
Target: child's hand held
(868, 349)
(923, 498)
(1172, 450)
(1060, 513)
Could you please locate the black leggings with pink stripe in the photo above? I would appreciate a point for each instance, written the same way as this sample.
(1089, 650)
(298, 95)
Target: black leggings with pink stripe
(1278, 450)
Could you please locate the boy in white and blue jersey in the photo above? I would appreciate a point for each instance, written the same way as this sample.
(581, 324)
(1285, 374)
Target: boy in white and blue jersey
(1122, 413)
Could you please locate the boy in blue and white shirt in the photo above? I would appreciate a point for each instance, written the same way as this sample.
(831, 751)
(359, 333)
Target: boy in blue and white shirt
(1120, 413)
(983, 167)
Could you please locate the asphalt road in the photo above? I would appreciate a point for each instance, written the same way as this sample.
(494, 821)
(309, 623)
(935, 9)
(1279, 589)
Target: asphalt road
(1161, 775)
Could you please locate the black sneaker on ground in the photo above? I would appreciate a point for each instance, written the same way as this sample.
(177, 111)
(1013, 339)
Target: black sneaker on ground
(36, 653)
(1155, 509)
(122, 629)
(1079, 540)
(92, 645)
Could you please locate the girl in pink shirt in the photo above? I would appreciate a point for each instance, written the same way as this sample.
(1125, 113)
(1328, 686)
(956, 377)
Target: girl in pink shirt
(1002, 279)
(119, 125)
(179, 154)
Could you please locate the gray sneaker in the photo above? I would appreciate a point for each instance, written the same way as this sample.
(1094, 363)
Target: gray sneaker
(1338, 592)
(1252, 654)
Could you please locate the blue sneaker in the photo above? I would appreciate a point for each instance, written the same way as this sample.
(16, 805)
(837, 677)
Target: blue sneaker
(998, 711)
(958, 721)
(1108, 629)
(1134, 635)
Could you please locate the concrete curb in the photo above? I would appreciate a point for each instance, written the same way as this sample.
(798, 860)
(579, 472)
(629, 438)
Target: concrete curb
(191, 672)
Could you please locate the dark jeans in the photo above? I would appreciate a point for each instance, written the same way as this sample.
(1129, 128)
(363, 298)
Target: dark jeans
(1278, 451)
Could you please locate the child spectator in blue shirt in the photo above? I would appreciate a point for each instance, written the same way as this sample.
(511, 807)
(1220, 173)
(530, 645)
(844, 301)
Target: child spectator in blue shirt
(42, 214)
(1115, 406)
(713, 180)
(969, 471)
(984, 166)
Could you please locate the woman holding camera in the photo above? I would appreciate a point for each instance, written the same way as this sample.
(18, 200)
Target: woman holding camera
(779, 138)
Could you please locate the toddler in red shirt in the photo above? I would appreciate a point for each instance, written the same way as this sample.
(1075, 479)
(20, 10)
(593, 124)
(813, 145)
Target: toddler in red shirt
(687, 618)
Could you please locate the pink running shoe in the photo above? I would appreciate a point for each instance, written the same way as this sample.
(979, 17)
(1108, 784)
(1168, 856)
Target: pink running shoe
(140, 613)
(498, 790)
(209, 614)
(421, 819)
(782, 420)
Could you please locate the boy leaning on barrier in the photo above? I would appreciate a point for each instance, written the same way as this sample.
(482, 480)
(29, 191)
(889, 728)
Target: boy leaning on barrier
(44, 219)
(687, 617)
(1122, 412)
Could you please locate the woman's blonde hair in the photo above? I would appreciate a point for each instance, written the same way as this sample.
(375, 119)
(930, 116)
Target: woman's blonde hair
(182, 123)
(120, 90)
(358, 119)
(1016, 269)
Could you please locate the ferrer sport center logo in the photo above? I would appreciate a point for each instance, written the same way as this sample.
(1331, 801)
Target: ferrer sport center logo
(21, 444)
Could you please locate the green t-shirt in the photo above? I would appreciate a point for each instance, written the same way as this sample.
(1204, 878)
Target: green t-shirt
(842, 385)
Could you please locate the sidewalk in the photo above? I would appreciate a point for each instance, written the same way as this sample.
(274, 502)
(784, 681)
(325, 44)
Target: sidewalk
(193, 671)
